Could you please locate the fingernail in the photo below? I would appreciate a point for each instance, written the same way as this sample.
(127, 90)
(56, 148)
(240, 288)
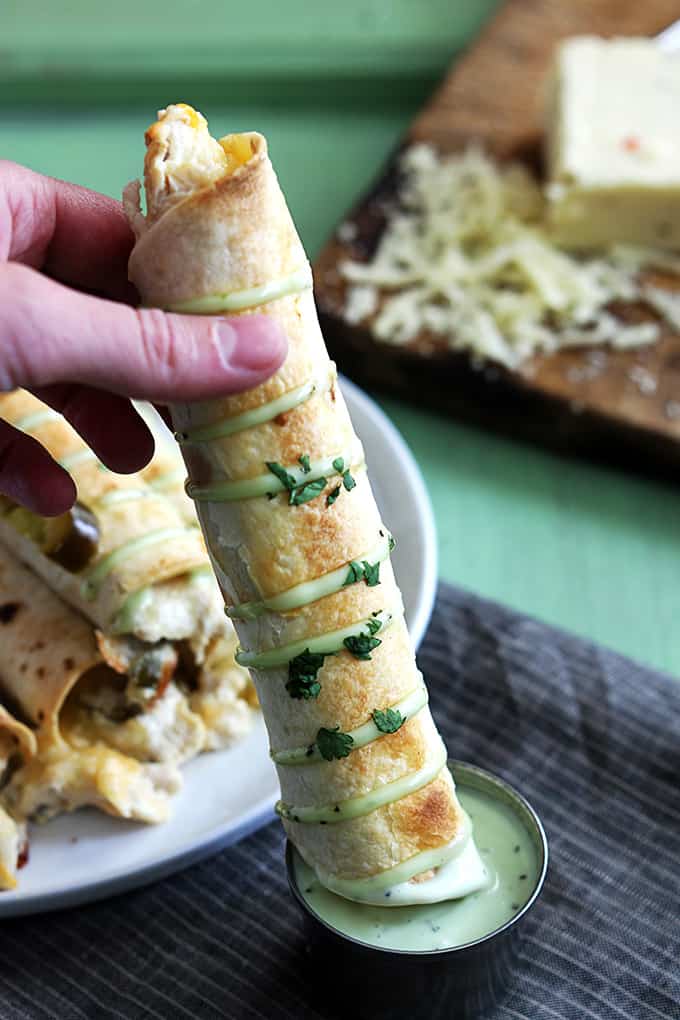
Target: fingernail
(253, 343)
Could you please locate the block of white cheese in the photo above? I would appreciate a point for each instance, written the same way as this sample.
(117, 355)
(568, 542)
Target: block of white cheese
(613, 144)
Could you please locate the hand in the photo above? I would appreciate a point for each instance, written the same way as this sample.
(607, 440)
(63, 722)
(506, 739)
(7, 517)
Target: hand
(86, 355)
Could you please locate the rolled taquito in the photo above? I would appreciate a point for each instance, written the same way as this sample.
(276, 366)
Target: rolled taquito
(295, 537)
(17, 746)
(127, 546)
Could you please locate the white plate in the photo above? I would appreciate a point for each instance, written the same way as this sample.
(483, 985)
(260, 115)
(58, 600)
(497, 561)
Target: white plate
(86, 856)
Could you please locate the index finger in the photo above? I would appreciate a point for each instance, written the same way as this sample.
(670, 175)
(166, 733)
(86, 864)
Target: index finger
(73, 234)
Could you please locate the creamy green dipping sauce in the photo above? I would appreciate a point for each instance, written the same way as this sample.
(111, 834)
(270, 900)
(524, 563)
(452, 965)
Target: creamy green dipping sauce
(511, 861)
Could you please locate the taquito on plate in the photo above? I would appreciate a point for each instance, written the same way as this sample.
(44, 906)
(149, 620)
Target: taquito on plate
(130, 562)
(295, 537)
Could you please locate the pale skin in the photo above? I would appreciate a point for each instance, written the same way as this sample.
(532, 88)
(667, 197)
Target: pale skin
(71, 334)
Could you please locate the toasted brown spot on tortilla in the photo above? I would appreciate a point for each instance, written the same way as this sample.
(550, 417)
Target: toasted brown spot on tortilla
(430, 815)
(69, 663)
(8, 611)
(436, 814)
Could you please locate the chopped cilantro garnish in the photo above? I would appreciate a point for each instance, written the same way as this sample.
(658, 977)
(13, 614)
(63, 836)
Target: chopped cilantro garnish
(339, 464)
(303, 493)
(302, 673)
(392, 543)
(374, 625)
(355, 573)
(372, 573)
(361, 646)
(388, 721)
(348, 481)
(368, 572)
(332, 496)
(333, 743)
(303, 688)
(306, 663)
(298, 493)
(283, 476)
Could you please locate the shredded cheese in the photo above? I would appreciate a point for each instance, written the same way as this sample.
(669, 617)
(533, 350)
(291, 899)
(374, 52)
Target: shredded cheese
(466, 257)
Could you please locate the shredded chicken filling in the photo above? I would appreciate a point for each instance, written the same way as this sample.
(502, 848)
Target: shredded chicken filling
(125, 727)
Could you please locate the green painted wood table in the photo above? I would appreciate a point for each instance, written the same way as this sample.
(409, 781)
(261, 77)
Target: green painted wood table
(585, 547)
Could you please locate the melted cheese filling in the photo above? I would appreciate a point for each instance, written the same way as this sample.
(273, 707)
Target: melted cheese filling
(225, 698)
(60, 780)
(182, 157)
(168, 731)
(173, 611)
(125, 766)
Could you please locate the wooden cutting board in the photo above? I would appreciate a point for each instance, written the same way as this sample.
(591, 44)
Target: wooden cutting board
(621, 405)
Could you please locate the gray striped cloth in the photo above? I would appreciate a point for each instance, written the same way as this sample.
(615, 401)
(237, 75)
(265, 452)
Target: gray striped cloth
(591, 738)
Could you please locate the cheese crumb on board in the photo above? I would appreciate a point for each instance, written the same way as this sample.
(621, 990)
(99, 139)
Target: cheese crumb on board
(612, 143)
(467, 258)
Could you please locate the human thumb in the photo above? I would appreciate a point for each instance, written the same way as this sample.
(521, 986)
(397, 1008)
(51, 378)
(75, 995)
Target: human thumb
(50, 333)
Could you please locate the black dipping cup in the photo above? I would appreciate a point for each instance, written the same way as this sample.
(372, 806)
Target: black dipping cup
(460, 983)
